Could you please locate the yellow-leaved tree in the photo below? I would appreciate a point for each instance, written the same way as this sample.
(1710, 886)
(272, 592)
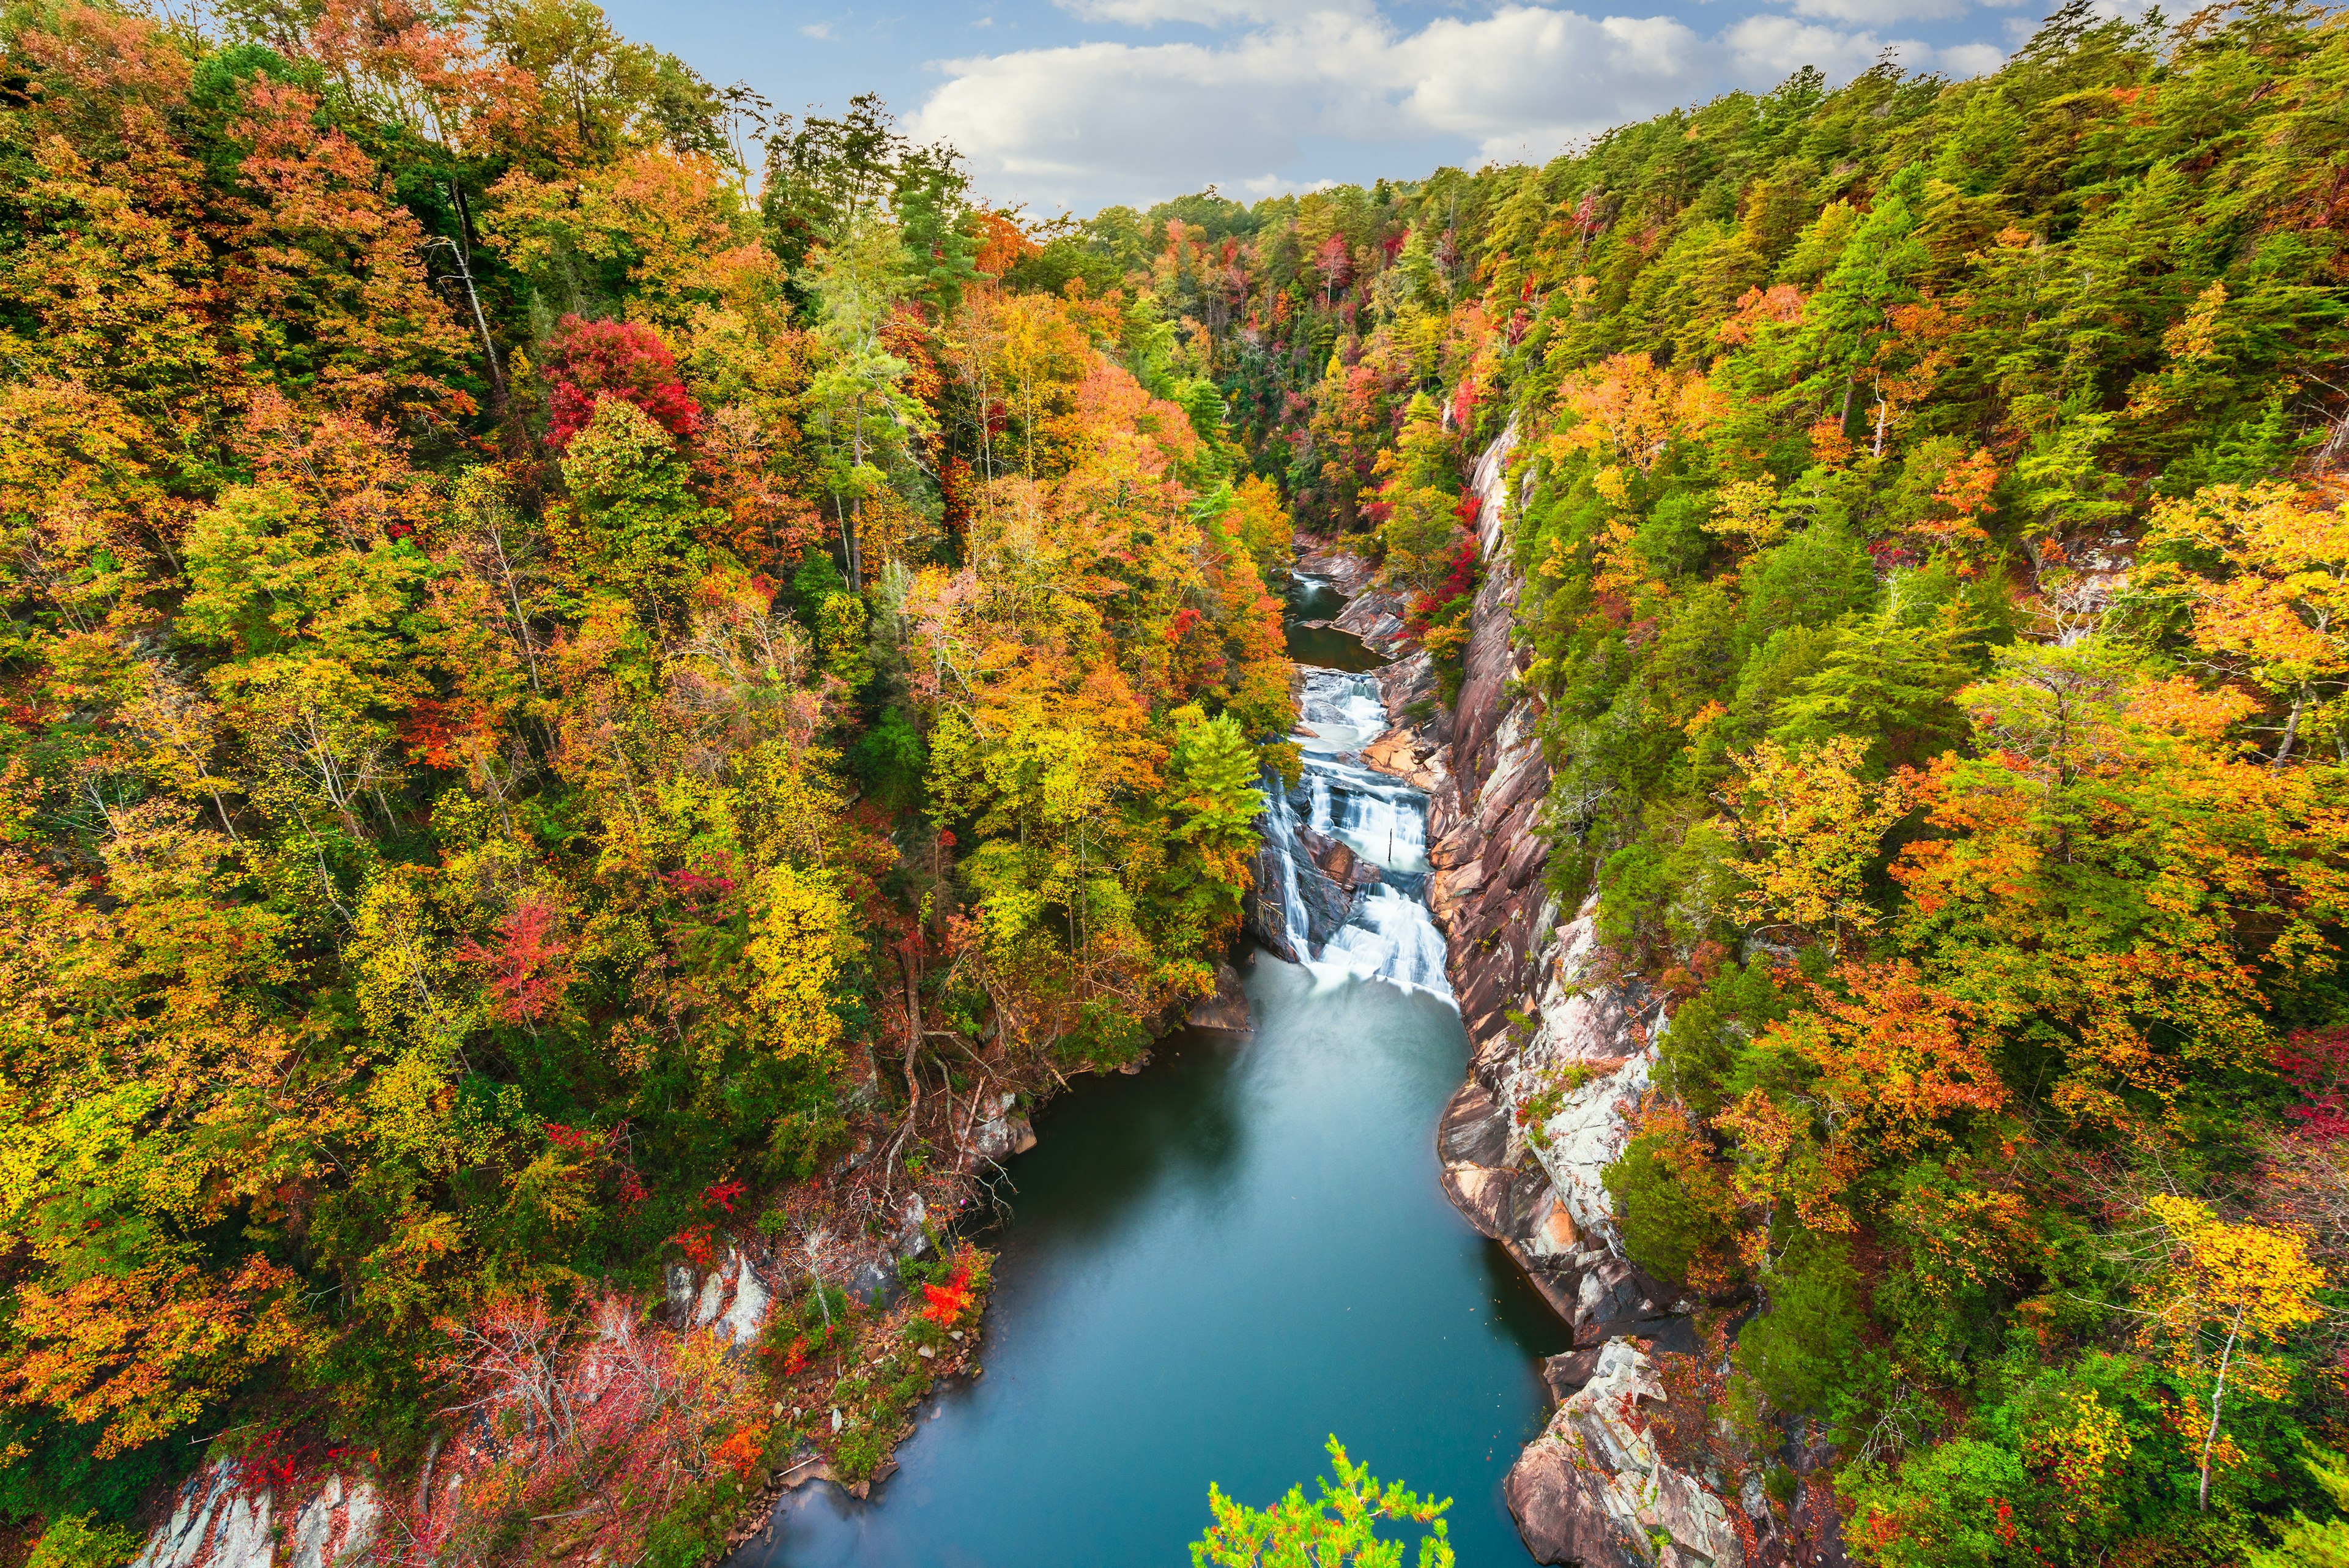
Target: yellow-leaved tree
(2225, 1298)
(2264, 572)
(1811, 825)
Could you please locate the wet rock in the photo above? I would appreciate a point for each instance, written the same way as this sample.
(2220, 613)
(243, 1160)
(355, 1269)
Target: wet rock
(1377, 617)
(1227, 1009)
(1266, 916)
(1474, 1129)
(1329, 903)
(1336, 859)
(1563, 1374)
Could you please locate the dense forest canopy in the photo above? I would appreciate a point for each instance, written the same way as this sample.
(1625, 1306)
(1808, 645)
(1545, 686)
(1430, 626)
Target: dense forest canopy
(554, 620)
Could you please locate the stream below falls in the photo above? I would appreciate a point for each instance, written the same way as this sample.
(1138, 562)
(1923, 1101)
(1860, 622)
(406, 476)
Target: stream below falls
(1216, 1263)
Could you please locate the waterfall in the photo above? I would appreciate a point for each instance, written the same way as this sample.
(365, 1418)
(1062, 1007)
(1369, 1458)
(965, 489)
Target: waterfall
(1284, 846)
(1347, 848)
(1394, 939)
(1341, 712)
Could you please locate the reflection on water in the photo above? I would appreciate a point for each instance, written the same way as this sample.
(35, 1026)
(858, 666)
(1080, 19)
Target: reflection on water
(1215, 1264)
(1314, 598)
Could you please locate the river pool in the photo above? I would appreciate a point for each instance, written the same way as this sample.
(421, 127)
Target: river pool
(1216, 1263)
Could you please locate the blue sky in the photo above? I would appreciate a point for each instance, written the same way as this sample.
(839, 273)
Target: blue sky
(1077, 103)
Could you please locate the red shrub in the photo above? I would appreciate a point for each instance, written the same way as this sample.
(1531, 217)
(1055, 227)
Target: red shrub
(2317, 1063)
(946, 1301)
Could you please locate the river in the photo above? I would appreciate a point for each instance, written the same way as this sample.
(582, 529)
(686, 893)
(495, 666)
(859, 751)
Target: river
(1216, 1263)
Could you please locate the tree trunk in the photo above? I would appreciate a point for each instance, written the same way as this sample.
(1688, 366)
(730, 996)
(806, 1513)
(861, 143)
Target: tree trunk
(2291, 728)
(2218, 1392)
(472, 298)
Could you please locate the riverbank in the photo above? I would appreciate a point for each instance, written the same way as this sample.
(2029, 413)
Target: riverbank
(791, 1345)
(1252, 1226)
(1216, 1263)
(1406, 866)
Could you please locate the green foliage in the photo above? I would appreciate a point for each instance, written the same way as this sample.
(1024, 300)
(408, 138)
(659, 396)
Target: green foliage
(463, 850)
(693, 1530)
(77, 1542)
(1799, 1353)
(1672, 1207)
(1339, 1528)
(1943, 745)
(2311, 1544)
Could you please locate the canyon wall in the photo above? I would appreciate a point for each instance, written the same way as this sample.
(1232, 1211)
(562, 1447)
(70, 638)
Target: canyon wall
(1561, 1047)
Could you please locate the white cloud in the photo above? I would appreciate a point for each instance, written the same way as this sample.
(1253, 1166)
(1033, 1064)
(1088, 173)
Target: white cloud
(1101, 121)
(1526, 81)
(1204, 13)
(1119, 122)
(1764, 49)
(1880, 12)
(816, 30)
(1970, 59)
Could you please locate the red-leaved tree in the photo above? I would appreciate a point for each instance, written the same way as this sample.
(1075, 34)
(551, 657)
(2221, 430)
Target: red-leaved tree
(591, 360)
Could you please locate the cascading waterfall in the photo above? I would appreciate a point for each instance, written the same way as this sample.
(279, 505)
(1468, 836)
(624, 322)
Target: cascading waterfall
(1370, 922)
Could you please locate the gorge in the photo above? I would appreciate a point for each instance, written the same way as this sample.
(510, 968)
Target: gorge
(624, 722)
(1212, 1265)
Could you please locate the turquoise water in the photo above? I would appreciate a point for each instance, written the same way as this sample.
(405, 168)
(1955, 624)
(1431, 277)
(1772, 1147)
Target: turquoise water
(1213, 1265)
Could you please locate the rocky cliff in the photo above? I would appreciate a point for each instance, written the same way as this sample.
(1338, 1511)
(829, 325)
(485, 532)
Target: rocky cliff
(1561, 1046)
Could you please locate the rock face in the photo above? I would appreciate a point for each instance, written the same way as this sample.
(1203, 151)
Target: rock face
(1591, 1488)
(731, 1299)
(1489, 783)
(1371, 613)
(1562, 1048)
(221, 1518)
(1228, 1010)
(1003, 1134)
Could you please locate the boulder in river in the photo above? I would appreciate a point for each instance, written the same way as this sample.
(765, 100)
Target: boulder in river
(1227, 1009)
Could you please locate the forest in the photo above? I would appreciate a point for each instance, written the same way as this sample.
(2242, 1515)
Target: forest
(588, 667)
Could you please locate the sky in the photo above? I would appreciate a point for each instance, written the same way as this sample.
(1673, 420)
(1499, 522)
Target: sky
(1072, 105)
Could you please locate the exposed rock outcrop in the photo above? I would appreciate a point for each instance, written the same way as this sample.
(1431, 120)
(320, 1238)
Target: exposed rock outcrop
(1374, 614)
(1592, 1489)
(1489, 783)
(1227, 1011)
(223, 1517)
(731, 1299)
(1004, 1133)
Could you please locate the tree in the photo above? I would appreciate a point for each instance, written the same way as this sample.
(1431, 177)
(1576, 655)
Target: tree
(1339, 1530)
(637, 508)
(2276, 608)
(2227, 1289)
(866, 420)
(1811, 827)
(588, 361)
